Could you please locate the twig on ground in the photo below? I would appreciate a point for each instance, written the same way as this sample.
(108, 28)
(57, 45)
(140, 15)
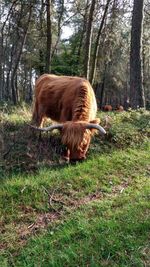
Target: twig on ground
(52, 199)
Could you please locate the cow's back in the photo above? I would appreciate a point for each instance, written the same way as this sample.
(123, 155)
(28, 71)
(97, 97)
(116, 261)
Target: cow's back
(64, 98)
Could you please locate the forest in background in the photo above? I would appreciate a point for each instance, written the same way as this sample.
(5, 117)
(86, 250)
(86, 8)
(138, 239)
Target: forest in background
(95, 39)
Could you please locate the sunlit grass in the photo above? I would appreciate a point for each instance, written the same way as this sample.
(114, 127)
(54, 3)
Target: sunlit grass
(94, 213)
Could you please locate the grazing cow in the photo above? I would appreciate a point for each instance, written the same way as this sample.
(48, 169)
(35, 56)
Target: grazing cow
(120, 108)
(70, 101)
(107, 108)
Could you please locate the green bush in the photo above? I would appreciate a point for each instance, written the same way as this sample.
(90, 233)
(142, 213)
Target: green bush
(129, 128)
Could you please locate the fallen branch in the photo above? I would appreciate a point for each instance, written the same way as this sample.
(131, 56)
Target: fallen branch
(52, 199)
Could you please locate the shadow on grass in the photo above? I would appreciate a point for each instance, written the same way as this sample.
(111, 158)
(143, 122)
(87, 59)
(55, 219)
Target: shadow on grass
(26, 151)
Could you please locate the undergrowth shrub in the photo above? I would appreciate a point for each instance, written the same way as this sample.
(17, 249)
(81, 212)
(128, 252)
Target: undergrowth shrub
(129, 128)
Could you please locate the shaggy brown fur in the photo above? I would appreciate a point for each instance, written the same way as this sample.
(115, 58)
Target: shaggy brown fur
(63, 98)
(68, 100)
(74, 134)
(107, 108)
(120, 108)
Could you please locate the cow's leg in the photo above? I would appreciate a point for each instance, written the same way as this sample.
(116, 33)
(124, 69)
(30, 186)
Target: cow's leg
(66, 155)
(42, 122)
(38, 115)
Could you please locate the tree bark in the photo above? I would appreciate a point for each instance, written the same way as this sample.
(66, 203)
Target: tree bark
(60, 18)
(97, 44)
(102, 88)
(89, 30)
(137, 98)
(41, 50)
(18, 56)
(1, 69)
(82, 33)
(49, 37)
(2, 57)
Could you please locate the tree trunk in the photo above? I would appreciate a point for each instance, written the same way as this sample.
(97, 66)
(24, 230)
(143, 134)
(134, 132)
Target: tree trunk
(61, 9)
(82, 33)
(49, 37)
(137, 98)
(3, 94)
(1, 69)
(102, 88)
(41, 68)
(18, 56)
(97, 44)
(89, 30)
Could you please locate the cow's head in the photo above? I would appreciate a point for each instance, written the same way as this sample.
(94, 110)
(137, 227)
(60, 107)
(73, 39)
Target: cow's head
(76, 136)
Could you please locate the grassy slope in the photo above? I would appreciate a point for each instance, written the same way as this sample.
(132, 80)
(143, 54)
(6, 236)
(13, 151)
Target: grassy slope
(94, 213)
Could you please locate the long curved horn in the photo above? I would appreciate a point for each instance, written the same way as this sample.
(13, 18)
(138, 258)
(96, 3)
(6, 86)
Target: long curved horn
(95, 126)
(46, 129)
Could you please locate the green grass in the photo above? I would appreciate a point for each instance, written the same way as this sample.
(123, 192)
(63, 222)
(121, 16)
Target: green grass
(95, 213)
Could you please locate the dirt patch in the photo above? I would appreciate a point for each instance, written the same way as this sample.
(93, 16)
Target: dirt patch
(59, 205)
(30, 222)
(41, 222)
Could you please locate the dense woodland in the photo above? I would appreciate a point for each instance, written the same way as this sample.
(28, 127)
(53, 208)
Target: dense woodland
(105, 41)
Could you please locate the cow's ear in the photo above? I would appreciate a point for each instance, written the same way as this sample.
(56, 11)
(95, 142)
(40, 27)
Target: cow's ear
(96, 121)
